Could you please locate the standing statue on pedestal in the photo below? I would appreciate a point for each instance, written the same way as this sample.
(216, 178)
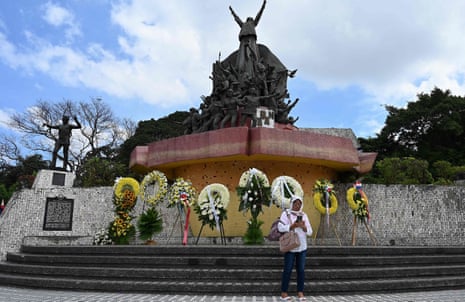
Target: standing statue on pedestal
(63, 141)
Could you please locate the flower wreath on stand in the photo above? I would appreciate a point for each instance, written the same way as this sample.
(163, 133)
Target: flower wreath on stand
(154, 188)
(254, 192)
(324, 198)
(158, 181)
(282, 189)
(125, 191)
(211, 206)
(182, 195)
(358, 202)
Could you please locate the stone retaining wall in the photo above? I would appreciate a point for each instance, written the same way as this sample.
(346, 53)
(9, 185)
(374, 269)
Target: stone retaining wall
(404, 215)
(400, 215)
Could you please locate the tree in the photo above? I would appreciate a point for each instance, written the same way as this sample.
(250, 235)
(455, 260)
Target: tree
(9, 149)
(431, 128)
(97, 172)
(154, 130)
(5, 193)
(396, 170)
(21, 175)
(99, 127)
(443, 171)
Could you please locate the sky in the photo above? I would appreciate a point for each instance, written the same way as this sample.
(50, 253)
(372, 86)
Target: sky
(150, 58)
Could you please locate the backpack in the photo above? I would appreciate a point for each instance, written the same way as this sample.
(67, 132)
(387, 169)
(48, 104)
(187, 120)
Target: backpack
(275, 234)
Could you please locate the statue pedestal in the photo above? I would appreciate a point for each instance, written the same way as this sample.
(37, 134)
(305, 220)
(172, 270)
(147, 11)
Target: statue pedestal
(53, 178)
(221, 156)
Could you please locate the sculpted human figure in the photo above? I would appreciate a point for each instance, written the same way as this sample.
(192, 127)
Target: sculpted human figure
(212, 114)
(230, 108)
(248, 50)
(283, 111)
(192, 123)
(251, 67)
(250, 103)
(63, 141)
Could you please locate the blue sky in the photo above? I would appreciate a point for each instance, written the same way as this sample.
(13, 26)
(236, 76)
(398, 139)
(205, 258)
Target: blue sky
(149, 58)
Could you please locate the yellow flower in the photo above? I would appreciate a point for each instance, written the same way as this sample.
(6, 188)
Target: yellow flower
(322, 188)
(182, 192)
(160, 184)
(126, 184)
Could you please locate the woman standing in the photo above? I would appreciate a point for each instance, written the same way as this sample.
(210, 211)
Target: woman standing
(294, 219)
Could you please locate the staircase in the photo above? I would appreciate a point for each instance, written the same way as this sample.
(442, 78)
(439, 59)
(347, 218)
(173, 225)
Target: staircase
(232, 270)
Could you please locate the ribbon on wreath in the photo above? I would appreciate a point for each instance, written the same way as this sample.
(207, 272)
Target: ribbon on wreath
(185, 199)
(212, 206)
(253, 172)
(282, 186)
(327, 192)
(358, 187)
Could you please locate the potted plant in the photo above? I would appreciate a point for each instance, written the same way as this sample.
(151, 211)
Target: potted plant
(149, 224)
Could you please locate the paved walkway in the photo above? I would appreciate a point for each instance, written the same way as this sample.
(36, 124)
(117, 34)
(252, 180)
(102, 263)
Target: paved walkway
(14, 294)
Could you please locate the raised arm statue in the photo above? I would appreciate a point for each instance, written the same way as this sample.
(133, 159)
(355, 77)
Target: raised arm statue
(248, 27)
(63, 141)
(248, 50)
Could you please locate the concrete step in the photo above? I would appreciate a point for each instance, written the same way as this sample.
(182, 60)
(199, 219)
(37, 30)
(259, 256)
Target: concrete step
(232, 274)
(271, 249)
(249, 270)
(250, 287)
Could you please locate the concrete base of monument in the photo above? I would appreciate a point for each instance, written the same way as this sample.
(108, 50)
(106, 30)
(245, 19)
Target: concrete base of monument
(53, 179)
(221, 156)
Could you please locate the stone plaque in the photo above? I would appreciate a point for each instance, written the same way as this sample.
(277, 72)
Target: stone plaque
(58, 179)
(58, 214)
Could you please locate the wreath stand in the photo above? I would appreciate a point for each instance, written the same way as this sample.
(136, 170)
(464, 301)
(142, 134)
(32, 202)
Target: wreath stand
(182, 222)
(370, 232)
(222, 234)
(330, 226)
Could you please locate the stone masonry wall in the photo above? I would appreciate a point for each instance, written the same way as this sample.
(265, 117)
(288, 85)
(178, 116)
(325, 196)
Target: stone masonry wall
(400, 215)
(403, 215)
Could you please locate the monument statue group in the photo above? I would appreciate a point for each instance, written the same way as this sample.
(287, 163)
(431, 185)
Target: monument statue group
(250, 78)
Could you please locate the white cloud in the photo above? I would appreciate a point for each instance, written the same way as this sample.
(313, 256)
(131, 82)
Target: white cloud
(390, 50)
(7, 51)
(56, 15)
(371, 44)
(59, 16)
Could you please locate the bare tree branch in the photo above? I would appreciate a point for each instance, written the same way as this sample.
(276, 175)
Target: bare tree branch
(99, 127)
(9, 150)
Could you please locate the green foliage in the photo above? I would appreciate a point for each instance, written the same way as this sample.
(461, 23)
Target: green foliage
(97, 172)
(21, 175)
(254, 196)
(431, 129)
(402, 171)
(149, 224)
(123, 239)
(153, 130)
(6, 193)
(361, 212)
(443, 172)
(254, 234)
(459, 172)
